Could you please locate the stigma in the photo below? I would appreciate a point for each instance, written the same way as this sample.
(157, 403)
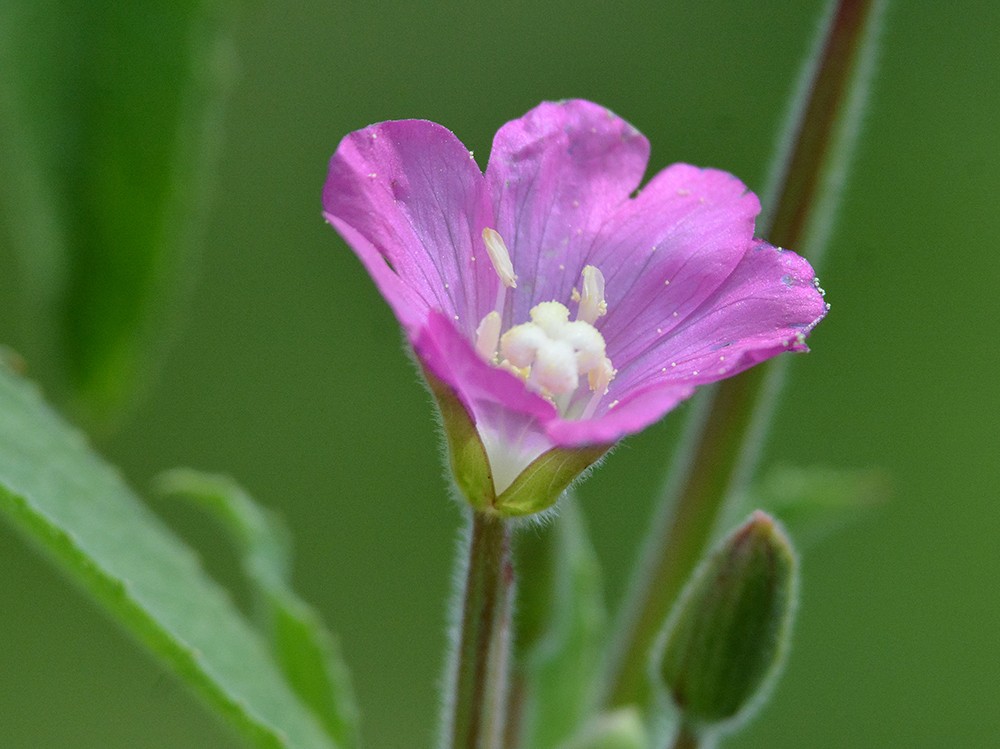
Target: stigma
(552, 354)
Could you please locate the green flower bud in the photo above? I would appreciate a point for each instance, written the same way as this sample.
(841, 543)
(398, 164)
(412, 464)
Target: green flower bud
(725, 639)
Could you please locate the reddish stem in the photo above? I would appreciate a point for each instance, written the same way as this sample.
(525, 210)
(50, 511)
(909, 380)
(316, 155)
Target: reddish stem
(706, 474)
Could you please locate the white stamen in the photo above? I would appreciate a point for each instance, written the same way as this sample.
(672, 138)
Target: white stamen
(500, 257)
(601, 376)
(488, 336)
(551, 354)
(599, 379)
(592, 303)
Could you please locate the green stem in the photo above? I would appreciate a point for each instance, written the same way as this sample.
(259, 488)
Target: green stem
(685, 739)
(516, 708)
(478, 706)
(719, 456)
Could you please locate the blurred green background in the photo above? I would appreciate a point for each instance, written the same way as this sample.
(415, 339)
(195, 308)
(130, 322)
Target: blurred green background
(286, 369)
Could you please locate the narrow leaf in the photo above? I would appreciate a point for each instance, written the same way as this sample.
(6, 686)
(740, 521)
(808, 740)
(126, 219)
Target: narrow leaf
(814, 502)
(79, 511)
(110, 116)
(305, 649)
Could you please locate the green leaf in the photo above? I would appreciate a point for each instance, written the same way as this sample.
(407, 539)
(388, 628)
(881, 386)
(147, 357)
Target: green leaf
(561, 628)
(813, 503)
(79, 511)
(307, 652)
(110, 117)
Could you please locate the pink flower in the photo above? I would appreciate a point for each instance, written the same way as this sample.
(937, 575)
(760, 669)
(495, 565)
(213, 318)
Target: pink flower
(553, 312)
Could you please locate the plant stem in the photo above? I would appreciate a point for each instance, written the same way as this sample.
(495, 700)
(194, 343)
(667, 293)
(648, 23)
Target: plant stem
(479, 702)
(719, 456)
(515, 709)
(685, 739)
(800, 167)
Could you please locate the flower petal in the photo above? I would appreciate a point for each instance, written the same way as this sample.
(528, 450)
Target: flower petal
(668, 250)
(555, 176)
(636, 411)
(766, 306)
(409, 199)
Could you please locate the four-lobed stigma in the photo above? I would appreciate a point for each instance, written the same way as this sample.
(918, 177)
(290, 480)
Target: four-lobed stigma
(550, 353)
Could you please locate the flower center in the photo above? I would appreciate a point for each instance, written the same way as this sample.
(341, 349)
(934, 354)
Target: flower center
(550, 353)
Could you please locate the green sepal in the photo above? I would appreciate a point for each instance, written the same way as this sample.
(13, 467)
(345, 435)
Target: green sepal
(725, 639)
(546, 478)
(537, 487)
(469, 464)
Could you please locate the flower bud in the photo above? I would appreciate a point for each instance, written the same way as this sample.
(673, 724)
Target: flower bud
(725, 639)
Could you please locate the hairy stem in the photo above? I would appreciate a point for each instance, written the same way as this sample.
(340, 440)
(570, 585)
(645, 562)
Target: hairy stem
(685, 739)
(724, 437)
(478, 705)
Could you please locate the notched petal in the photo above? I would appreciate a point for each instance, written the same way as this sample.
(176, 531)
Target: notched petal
(410, 191)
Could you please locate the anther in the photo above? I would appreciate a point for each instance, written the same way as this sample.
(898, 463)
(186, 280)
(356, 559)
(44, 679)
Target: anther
(592, 303)
(500, 257)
